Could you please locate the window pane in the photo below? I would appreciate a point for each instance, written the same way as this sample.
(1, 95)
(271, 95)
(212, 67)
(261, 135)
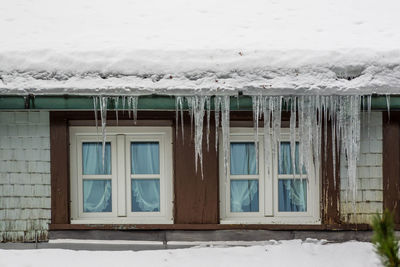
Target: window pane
(97, 196)
(244, 195)
(145, 158)
(243, 159)
(292, 195)
(285, 159)
(92, 157)
(145, 195)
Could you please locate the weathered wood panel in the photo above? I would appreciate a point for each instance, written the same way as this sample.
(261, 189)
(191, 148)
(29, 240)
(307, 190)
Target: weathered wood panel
(59, 168)
(330, 179)
(391, 163)
(212, 235)
(275, 227)
(196, 197)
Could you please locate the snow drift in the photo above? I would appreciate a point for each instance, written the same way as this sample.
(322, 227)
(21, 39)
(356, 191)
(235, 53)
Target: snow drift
(270, 253)
(215, 47)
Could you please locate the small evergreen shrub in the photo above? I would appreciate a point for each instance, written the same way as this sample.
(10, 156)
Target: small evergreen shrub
(384, 239)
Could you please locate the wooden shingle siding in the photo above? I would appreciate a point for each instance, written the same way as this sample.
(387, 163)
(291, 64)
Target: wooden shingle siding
(369, 174)
(24, 176)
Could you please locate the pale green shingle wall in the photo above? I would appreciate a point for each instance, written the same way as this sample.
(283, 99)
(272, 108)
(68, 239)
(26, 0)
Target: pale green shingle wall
(369, 198)
(24, 176)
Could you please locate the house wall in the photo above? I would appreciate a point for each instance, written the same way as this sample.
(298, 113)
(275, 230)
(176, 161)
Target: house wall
(24, 176)
(369, 199)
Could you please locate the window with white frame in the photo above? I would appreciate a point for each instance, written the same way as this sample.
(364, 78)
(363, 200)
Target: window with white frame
(249, 195)
(128, 180)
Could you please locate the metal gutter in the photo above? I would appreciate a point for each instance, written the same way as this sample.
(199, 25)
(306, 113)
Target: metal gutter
(148, 102)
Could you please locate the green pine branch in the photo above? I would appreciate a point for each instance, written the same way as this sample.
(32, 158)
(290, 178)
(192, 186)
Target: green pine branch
(384, 240)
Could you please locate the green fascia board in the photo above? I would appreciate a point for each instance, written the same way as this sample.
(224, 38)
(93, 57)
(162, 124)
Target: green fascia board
(148, 102)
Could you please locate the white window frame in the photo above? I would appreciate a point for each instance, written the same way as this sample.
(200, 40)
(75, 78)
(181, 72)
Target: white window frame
(121, 138)
(268, 187)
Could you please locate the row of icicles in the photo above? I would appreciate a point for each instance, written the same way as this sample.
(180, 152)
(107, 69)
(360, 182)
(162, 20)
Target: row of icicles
(309, 115)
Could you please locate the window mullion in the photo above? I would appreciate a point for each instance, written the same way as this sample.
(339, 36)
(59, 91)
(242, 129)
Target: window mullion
(121, 181)
(268, 182)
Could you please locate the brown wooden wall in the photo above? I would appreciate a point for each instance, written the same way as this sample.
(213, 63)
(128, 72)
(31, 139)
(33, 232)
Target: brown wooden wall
(196, 199)
(330, 180)
(59, 168)
(391, 163)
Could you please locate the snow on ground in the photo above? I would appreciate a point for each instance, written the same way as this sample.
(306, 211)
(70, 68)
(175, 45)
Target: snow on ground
(273, 253)
(176, 46)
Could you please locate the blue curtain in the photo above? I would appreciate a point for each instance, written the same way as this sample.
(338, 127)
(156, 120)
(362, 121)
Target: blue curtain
(145, 158)
(244, 196)
(97, 196)
(92, 157)
(243, 159)
(145, 195)
(292, 195)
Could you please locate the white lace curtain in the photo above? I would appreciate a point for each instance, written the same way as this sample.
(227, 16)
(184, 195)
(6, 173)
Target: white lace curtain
(292, 193)
(96, 192)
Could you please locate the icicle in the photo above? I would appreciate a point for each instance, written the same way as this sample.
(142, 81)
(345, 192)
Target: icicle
(179, 107)
(388, 105)
(318, 133)
(190, 103)
(352, 143)
(134, 106)
(348, 126)
(123, 103)
(208, 105)
(95, 99)
(182, 123)
(334, 138)
(293, 133)
(256, 114)
(225, 110)
(369, 104)
(325, 111)
(129, 104)
(103, 114)
(276, 111)
(198, 104)
(301, 115)
(217, 107)
(308, 114)
(116, 101)
(266, 109)
(177, 98)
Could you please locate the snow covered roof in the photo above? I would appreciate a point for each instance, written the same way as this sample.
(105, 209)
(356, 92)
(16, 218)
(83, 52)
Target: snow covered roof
(177, 46)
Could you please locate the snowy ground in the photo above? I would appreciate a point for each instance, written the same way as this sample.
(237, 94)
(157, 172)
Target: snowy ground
(272, 253)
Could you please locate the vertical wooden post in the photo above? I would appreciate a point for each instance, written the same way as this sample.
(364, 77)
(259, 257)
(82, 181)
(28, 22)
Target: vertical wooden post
(330, 205)
(391, 163)
(59, 168)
